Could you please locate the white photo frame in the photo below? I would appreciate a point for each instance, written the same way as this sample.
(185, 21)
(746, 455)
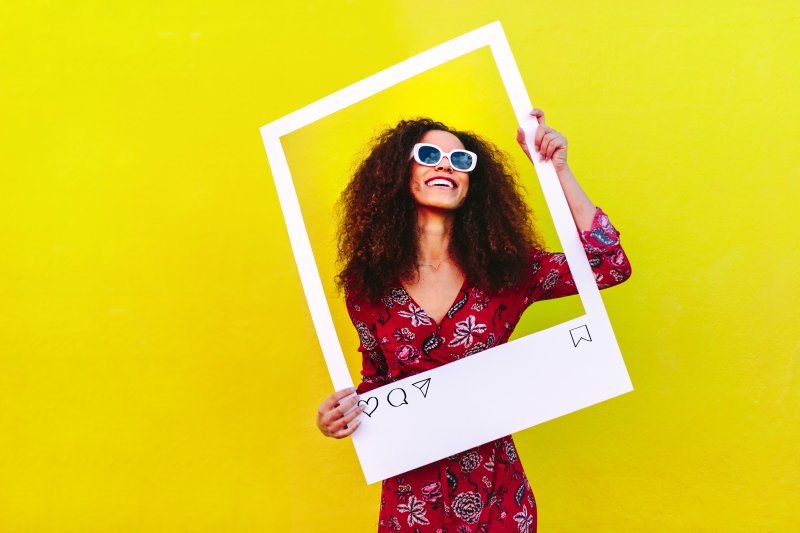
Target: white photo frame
(556, 371)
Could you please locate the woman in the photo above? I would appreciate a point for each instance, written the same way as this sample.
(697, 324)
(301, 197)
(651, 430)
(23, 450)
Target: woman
(440, 260)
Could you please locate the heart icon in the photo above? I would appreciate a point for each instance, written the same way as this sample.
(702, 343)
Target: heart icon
(369, 405)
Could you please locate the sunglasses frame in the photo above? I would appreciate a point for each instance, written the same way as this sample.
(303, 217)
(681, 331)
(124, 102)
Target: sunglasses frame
(442, 155)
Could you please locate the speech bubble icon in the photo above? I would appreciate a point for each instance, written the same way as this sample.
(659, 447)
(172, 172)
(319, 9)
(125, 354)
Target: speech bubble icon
(396, 397)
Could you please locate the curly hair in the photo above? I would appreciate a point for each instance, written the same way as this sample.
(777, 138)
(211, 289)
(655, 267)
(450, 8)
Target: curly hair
(492, 232)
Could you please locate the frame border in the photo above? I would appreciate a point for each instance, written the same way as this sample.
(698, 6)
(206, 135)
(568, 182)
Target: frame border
(491, 35)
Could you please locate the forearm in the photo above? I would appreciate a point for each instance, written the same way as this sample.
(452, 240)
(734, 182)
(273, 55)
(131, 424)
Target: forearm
(580, 205)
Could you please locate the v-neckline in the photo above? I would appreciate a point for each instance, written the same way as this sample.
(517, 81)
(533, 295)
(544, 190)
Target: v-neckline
(437, 323)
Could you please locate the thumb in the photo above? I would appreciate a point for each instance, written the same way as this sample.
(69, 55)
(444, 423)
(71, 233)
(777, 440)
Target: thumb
(539, 114)
(522, 143)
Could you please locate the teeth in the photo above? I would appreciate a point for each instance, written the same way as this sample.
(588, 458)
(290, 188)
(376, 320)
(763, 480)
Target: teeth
(440, 183)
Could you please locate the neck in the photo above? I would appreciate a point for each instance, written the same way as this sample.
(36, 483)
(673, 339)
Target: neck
(433, 235)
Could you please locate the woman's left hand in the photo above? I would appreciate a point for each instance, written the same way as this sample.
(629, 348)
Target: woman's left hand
(550, 144)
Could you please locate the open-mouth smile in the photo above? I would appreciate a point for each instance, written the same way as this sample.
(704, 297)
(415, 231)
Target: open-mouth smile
(441, 182)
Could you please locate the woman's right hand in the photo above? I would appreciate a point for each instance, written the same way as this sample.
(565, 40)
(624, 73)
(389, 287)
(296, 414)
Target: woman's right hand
(333, 419)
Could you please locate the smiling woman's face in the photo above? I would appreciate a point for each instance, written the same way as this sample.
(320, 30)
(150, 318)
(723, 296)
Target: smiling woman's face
(441, 186)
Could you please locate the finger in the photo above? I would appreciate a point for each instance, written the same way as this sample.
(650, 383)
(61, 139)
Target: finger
(555, 145)
(540, 133)
(346, 405)
(539, 114)
(346, 420)
(334, 398)
(334, 414)
(347, 431)
(546, 140)
(550, 136)
(521, 141)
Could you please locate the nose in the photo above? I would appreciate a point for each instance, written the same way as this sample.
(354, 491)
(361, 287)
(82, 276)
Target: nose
(444, 166)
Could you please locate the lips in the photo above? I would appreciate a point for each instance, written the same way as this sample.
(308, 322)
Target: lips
(441, 182)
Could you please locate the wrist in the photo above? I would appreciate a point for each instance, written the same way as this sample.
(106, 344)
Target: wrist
(563, 171)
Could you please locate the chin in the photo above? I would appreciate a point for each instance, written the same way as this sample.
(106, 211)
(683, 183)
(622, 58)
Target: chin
(440, 206)
(437, 202)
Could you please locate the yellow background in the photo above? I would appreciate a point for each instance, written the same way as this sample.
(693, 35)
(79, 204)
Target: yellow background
(158, 368)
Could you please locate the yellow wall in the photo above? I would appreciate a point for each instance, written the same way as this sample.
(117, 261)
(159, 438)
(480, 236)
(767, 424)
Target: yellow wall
(158, 368)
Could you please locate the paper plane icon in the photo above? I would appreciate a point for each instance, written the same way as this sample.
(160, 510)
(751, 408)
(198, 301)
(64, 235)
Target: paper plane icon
(423, 386)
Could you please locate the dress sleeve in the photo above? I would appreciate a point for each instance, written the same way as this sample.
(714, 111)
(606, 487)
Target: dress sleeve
(549, 276)
(374, 369)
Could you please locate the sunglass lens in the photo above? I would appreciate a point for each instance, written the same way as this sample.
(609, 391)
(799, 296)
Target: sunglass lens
(461, 160)
(429, 155)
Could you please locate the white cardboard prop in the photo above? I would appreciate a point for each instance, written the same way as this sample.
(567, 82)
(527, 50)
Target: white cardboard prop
(418, 420)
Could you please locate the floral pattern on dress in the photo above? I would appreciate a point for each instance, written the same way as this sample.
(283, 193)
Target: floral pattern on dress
(466, 331)
(525, 521)
(407, 354)
(416, 511)
(483, 489)
(417, 315)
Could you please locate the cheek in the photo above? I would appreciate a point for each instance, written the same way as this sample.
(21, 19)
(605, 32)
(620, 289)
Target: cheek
(464, 193)
(415, 183)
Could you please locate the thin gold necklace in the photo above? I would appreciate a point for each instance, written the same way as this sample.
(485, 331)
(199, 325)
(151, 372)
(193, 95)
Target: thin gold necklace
(434, 267)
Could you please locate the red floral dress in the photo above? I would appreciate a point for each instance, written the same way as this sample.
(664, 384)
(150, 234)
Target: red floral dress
(483, 489)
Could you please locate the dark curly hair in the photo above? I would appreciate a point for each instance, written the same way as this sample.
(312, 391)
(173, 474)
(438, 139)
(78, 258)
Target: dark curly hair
(492, 233)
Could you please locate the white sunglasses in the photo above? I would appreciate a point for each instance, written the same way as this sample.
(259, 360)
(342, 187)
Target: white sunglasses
(431, 155)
